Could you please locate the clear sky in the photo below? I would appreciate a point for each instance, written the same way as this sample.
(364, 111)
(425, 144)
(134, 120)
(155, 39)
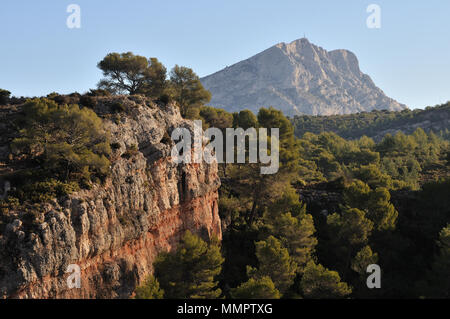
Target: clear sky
(408, 57)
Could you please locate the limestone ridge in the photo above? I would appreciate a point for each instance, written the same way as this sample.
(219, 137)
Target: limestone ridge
(113, 231)
(298, 78)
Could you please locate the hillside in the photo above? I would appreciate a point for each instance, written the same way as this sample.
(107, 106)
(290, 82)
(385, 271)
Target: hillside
(112, 230)
(298, 78)
(376, 124)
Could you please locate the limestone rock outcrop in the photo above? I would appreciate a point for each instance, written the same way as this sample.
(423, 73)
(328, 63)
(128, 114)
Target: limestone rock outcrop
(298, 78)
(113, 232)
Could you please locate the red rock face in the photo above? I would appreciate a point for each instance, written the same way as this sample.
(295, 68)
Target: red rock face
(114, 232)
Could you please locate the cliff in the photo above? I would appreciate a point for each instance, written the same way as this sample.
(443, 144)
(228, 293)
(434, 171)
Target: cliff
(112, 231)
(298, 78)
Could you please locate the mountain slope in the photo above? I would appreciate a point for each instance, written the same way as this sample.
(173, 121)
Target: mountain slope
(298, 78)
(377, 124)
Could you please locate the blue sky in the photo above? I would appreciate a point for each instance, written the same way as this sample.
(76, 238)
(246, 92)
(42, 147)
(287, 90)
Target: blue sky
(408, 57)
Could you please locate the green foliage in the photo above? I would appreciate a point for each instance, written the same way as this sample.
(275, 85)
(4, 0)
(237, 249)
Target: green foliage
(88, 101)
(65, 146)
(364, 258)
(245, 119)
(98, 92)
(376, 203)
(348, 231)
(359, 177)
(40, 192)
(372, 175)
(351, 228)
(67, 140)
(149, 289)
(118, 107)
(319, 282)
(353, 126)
(296, 234)
(214, 117)
(190, 271)
(288, 202)
(274, 261)
(439, 276)
(156, 79)
(187, 90)
(396, 162)
(4, 96)
(255, 190)
(132, 74)
(260, 288)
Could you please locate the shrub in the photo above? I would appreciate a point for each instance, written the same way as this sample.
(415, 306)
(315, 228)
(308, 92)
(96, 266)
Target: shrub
(98, 92)
(44, 191)
(115, 146)
(67, 143)
(149, 290)
(190, 271)
(88, 101)
(4, 96)
(118, 107)
(164, 99)
(131, 151)
(261, 288)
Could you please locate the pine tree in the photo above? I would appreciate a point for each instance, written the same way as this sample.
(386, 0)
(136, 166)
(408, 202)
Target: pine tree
(259, 288)
(349, 232)
(4, 96)
(274, 261)
(363, 258)
(439, 277)
(66, 139)
(318, 282)
(187, 90)
(295, 233)
(149, 289)
(376, 203)
(190, 271)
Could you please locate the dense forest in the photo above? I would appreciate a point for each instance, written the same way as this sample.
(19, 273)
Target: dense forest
(340, 201)
(334, 207)
(377, 123)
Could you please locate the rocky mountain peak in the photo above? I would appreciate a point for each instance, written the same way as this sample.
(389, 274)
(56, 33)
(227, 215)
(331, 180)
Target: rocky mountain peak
(298, 78)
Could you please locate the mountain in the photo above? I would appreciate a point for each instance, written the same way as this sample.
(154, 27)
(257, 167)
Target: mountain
(298, 78)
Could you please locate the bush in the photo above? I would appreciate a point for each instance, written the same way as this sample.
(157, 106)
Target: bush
(4, 96)
(67, 144)
(98, 92)
(149, 290)
(164, 99)
(118, 107)
(262, 288)
(44, 191)
(131, 151)
(190, 271)
(115, 146)
(88, 101)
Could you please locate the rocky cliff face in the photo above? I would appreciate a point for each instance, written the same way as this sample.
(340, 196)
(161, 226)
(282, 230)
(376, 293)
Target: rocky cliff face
(298, 78)
(113, 231)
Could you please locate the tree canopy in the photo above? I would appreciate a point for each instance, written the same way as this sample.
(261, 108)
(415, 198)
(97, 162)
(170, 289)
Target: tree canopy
(191, 270)
(132, 74)
(187, 90)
